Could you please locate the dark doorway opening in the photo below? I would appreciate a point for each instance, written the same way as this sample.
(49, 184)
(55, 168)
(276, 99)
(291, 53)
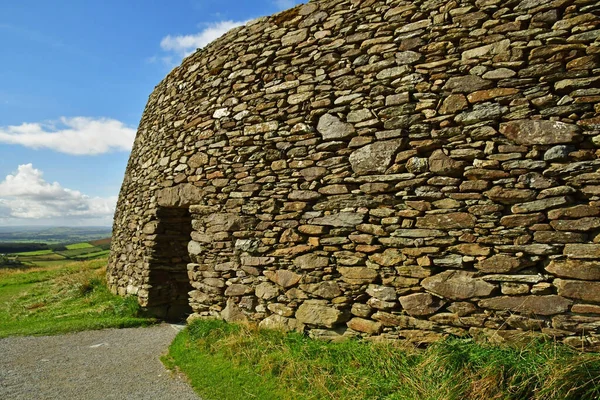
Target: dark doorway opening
(168, 279)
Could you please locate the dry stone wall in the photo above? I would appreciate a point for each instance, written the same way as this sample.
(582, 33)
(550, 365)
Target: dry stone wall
(400, 169)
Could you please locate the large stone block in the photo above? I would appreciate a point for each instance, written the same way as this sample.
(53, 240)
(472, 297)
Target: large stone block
(420, 304)
(441, 164)
(358, 275)
(540, 132)
(500, 263)
(538, 305)
(332, 128)
(582, 251)
(319, 314)
(179, 196)
(375, 158)
(283, 277)
(581, 290)
(311, 261)
(342, 219)
(457, 220)
(457, 285)
(576, 269)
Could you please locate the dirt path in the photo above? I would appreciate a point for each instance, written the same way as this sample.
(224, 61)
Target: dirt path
(107, 364)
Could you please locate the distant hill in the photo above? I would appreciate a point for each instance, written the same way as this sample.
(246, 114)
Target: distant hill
(49, 235)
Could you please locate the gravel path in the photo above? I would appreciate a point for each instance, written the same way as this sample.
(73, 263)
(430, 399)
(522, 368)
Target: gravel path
(107, 364)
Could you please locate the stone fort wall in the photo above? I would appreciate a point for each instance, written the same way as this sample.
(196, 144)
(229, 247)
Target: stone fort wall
(408, 169)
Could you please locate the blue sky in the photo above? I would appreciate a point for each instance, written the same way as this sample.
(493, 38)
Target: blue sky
(74, 80)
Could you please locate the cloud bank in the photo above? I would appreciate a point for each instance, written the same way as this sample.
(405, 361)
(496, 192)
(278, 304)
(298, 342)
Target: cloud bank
(26, 195)
(77, 136)
(184, 45)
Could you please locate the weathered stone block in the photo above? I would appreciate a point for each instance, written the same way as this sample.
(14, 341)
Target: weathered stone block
(441, 164)
(457, 285)
(539, 305)
(283, 277)
(580, 225)
(466, 84)
(326, 290)
(576, 269)
(559, 237)
(180, 196)
(364, 325)
(311, 261)
(581, 290)
(447, 221)
(277, 322)
(530, 132)
(358, 275)
(376, 157)
(582, 251)
(332, 128)
(342, 219)
(319, 314)
(510, 196)
(420, 304)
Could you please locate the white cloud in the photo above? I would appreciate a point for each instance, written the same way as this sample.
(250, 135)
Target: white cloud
(184, 45)
(25, 195)
(78, 135)
(284, 4)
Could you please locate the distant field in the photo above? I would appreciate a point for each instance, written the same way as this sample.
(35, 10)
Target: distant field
(96, 254)
(41, 257)
(42, 263)
(76, 246)
(59, 253)
(34, 253)
(101, 242)
(74, 253)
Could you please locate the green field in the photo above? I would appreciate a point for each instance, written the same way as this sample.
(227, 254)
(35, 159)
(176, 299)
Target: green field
(75, 246)
(81, 251)
(96, 254)
(74, 251)
(34, 253)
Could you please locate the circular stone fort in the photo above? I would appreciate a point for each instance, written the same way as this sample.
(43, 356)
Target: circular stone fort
(402, 169)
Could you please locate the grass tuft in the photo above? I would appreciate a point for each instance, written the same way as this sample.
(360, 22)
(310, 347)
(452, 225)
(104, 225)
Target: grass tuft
(228, 361)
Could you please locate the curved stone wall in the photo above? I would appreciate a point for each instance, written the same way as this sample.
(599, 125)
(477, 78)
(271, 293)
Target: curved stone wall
(410, 169)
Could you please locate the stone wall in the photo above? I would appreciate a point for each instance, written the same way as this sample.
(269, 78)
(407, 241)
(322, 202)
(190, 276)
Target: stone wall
(409, 169)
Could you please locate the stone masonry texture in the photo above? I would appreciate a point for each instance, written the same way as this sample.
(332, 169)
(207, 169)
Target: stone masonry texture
(400, 169)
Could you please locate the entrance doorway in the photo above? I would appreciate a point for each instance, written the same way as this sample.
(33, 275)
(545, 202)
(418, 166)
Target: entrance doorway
(168, 278)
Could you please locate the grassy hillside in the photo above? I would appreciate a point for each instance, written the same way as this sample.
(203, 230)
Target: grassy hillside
(62, 297)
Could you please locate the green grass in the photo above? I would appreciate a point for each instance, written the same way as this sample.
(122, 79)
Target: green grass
(64, 297)
(45, 263)
(76, 253)
(225, 361)
(76, 246)
(33, 253)
(95, 254)
(43, 257)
